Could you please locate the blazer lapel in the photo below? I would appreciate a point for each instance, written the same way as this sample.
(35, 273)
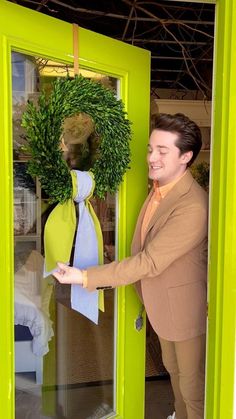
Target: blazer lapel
(136, 242)
(181, 188)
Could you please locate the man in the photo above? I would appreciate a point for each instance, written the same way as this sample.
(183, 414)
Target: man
(169, 260)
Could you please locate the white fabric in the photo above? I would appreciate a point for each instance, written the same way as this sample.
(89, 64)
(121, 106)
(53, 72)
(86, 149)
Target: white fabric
(31, 310)
(86, 249)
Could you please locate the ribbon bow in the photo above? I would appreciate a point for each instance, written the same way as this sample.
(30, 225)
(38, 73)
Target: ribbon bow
(58, 240)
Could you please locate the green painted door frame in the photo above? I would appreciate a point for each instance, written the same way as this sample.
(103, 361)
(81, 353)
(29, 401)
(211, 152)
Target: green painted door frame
(222, 237)
(130, 66)
(33, 33)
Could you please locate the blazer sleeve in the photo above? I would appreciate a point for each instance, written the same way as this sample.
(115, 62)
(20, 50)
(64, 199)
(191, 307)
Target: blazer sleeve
(185, 229)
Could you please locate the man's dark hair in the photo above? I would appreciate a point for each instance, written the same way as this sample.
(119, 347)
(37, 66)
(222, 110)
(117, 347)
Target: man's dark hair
(189, 134)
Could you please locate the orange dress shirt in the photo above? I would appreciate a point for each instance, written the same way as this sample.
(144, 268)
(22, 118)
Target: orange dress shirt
(159, 193)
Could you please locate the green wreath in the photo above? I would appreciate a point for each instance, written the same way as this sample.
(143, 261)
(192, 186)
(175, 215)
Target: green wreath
(43, 123)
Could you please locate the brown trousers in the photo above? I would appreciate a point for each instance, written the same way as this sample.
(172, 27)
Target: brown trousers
(185, 362)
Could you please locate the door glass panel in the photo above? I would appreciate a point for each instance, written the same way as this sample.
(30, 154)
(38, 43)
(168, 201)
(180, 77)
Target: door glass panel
(64, 363)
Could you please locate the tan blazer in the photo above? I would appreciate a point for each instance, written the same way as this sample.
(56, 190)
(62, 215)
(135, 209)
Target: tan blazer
(170, 269)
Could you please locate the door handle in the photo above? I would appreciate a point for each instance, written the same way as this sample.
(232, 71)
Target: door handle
(139, 319)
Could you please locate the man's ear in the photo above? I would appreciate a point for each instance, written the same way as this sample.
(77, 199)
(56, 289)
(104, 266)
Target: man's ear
(186, 157)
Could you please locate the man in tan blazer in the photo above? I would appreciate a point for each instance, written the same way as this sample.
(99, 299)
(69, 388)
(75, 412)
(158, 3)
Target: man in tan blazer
(169, 260)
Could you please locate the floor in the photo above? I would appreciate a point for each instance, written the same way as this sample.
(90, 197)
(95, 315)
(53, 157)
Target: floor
(71, 389)
(159, 400)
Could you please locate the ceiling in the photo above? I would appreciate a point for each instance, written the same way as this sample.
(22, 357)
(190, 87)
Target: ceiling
(180, 35)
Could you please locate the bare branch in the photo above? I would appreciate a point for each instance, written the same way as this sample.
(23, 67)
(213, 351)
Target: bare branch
(165, 22)
(43, 3)
(128, 20)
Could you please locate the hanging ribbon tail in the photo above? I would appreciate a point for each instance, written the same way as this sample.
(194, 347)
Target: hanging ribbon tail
(99, 235)
(59, 235)
(85, 302)
(88, 247)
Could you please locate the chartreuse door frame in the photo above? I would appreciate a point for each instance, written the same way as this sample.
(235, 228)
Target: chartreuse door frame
(33, 33)
(221, 364)
(130, 66)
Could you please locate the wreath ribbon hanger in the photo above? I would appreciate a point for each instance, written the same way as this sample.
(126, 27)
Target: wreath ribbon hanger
(75, 29)
(58, 241)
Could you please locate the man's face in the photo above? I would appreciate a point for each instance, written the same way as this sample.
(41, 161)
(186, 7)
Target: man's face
(164, 161)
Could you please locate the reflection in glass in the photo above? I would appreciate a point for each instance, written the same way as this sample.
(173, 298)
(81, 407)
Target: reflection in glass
(64, 363)
(24, 201)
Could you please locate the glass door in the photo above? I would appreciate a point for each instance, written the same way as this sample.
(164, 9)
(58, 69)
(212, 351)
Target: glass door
(64, 363)
(61, 364)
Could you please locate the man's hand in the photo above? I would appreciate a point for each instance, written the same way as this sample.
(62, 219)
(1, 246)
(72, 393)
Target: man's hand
(68, 275)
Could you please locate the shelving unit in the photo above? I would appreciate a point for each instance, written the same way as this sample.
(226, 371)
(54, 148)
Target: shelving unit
(27, 213)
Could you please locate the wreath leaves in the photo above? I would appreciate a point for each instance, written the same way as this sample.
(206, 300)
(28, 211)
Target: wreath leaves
(43, 124)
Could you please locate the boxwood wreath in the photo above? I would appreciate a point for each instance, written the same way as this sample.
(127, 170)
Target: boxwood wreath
(43, 123)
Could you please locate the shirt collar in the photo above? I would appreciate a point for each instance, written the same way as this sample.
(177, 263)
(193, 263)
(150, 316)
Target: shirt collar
(166, 188)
